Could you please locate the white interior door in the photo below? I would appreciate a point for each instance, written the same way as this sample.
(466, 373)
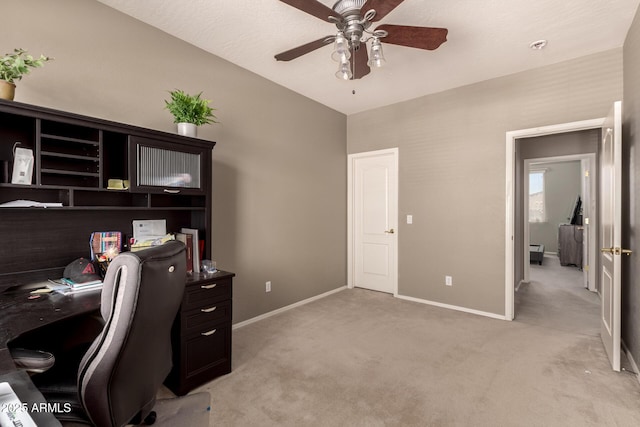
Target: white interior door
(375, 217)
(610, 234)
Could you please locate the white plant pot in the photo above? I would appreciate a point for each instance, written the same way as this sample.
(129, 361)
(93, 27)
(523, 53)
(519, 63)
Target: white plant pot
(187, 129)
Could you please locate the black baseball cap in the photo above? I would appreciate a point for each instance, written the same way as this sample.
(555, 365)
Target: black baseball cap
(81, 270)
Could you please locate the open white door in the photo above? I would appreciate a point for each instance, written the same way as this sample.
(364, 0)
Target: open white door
(374, 219)
(610, 234)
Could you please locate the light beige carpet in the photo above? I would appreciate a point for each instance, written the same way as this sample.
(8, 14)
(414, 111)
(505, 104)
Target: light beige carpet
(362, 358)
(191, 410)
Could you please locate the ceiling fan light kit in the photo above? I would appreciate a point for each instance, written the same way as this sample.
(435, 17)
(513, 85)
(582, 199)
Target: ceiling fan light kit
(376, 57)
(341, 51)
(344, 71)
(353, 32)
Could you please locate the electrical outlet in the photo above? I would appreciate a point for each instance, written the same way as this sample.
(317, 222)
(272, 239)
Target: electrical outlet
(448, 280)
(267, 286)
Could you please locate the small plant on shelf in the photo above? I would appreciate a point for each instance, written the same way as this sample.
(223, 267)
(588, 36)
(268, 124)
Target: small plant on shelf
(189, 111)
(13, 66)
(190, 108)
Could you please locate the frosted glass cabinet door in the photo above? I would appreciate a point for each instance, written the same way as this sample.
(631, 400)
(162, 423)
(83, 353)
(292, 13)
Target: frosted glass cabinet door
(160, 167)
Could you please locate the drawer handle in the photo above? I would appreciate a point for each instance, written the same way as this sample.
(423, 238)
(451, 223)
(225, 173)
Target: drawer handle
(166, 190)
(213, 285)
(206, 334)
(208, 310)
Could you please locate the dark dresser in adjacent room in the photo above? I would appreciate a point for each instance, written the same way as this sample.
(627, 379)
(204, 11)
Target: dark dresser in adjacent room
(570, 244)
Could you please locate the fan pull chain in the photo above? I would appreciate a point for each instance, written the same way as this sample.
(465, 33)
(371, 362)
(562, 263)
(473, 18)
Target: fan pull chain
(353, 56)
(353, 61)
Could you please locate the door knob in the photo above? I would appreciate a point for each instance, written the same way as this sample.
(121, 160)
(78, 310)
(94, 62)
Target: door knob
(616, 251)
(391, 231)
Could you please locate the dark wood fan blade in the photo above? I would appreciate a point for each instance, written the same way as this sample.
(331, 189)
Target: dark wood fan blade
(297, 52)
(359, 66)
(313, 7)
(418, 37)
(382, 7)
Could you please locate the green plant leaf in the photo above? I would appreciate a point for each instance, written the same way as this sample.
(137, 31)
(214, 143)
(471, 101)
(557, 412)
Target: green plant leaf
(13, 66)
(190, 108)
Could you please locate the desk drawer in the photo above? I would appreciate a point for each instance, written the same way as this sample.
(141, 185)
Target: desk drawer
(198, 319)
(208, 353)
(205, 293)
(201, 333)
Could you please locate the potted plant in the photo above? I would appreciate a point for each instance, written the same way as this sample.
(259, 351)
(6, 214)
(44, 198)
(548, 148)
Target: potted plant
(189, 111)
(15, 65)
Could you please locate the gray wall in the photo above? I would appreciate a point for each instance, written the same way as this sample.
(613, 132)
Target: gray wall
(452, 169)
(631, 191)
(562, 187)
(279, 165)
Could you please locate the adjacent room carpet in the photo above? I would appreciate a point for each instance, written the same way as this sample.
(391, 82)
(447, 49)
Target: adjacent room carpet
(362, 358)
(556, 298)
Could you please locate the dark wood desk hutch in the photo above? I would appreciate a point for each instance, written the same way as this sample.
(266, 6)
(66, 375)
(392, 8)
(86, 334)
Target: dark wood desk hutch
(74, 157)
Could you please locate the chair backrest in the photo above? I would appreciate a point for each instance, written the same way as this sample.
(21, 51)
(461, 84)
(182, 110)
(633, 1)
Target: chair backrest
(125, 366)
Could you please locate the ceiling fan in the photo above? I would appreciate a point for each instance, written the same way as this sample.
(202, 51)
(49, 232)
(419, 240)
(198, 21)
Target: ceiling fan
(353, 32)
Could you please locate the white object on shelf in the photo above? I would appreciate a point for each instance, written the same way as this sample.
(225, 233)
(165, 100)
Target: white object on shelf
(22, 166)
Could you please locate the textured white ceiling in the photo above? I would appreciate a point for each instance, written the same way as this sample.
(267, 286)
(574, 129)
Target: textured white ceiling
(487, 39)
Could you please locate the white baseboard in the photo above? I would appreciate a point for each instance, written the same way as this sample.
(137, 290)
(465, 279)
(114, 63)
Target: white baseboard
(519, 284)
(634, 366)
(285, 308)
(454, 307)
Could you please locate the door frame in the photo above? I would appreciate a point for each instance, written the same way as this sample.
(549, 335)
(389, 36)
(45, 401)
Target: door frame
(590, 208)
(510, 168)
(351, 159)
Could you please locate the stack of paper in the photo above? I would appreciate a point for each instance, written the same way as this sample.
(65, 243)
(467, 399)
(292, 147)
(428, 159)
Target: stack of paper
(29, 204)
(66, 286)
(147, 233)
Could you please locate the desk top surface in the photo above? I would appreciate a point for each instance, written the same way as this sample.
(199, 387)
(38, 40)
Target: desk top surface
(21, 313)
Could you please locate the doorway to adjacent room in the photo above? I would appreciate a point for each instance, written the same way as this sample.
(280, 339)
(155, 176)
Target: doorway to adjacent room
(514, 224)
(559, 217)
